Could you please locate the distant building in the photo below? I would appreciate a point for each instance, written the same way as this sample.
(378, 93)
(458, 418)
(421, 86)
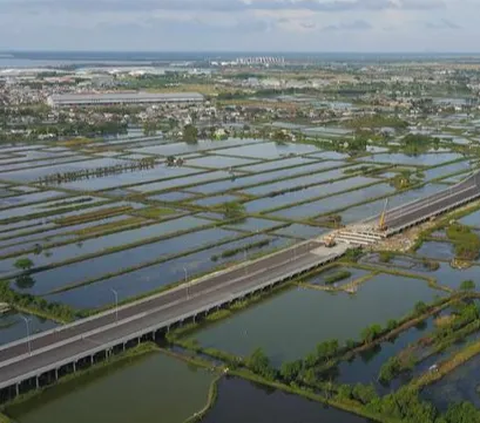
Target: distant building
(102, 99)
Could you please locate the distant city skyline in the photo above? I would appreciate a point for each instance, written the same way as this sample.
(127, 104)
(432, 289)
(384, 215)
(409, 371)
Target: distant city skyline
(241, 25)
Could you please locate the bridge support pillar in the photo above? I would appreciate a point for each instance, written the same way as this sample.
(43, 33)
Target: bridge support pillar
(74, 367)
(17, 389)
(56, 374)
(123, 346)
(37, 382)
(91, 360)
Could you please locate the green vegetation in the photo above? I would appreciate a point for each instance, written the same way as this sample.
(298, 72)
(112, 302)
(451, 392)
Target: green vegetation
(154, 212)
(24, 264)
(370, 333)
(260, 364)
(415, 144)
(233, 210)
(338, 276)
(385, 256)
(394, 366)
(353, 254)
(467, 285)
(430, 265)
(211, 399)
(377, 121)
(404, 180)
(190, 134)
(92, 216)
(466, 242)
(35, 305)
(235, 251)
(4, 419)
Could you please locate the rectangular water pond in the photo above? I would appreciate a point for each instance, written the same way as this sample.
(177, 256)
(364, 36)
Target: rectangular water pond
(462, 384)
(48, 280)
(321, 278)
(289, 325)
(151, 389)
(103, 244)
(156, 276)
(268, 406)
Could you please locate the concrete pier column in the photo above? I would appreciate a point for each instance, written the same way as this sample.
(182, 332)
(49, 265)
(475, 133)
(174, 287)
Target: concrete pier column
(56, 374)
(37, 382)
(123, 347)
(74, 367)
(17, 389)
(91, 360)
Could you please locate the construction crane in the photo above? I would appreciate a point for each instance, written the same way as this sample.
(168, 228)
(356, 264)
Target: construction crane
(383, 218)
(329, 241)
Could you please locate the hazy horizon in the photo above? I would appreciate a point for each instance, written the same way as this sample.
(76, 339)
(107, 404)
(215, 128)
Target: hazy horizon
(241, 25)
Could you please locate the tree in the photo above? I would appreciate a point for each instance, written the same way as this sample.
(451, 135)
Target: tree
(290, 370)
(467, 285)
(24, 264)
(420, 308)
(149, 128)
(392, 325)
(259, 363)
(364, 394)
(464, 412)
(190, 134)
(390, 369)
(370, 333)
(233, 210)
(327, 349)
(24, 281)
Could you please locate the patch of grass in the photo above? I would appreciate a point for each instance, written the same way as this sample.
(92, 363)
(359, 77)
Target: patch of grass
(154, 212)
(92, 216)
(112, 226)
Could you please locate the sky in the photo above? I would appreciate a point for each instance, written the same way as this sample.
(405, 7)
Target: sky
(241, 25)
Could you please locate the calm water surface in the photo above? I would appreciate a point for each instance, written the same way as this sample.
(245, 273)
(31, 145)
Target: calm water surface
(155, 389)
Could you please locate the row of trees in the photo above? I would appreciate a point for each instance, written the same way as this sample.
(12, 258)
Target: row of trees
(98, 172)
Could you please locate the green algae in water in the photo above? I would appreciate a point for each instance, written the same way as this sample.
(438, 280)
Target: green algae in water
(155, 388)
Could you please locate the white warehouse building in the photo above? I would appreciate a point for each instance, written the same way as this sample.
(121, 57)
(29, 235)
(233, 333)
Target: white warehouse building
(70, 100)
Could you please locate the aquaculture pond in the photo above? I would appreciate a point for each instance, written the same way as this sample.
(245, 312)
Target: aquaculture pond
(437, 250)
(365, 367)
(106, 242)
(154, 277)
(240, 401)
(289, 324)
(150, 389)
(335, 202)
(448, 276)
(97, 267)
(462, 384)
(13, 326)
(351, 274)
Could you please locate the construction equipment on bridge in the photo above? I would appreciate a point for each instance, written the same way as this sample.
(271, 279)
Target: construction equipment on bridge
(329, 241)
(383, 218)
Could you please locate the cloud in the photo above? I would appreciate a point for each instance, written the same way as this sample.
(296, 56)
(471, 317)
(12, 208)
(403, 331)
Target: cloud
(358, 25)
(443, 24)
(91, 6)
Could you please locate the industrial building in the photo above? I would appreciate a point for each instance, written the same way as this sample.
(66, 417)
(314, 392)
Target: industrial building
(102, 99)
